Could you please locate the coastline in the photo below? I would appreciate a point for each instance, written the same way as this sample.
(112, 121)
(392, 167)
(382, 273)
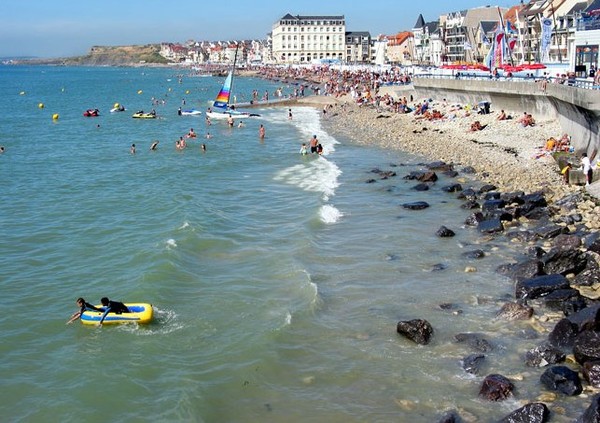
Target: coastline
(504, 154)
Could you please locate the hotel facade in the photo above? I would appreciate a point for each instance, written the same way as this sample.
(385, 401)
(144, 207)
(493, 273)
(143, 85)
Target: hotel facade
(305, 39)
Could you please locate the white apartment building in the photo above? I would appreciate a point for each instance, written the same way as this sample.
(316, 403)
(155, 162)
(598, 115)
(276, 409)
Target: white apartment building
(303, 39)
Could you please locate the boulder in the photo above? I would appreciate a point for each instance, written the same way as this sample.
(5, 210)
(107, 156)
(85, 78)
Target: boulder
(521, 271)
(563, 334)
(474, 254)
(416, 205)
(562, 379)
(540, 286)
(417, 330)
(587, 347)
(535, 412)
(444, 232)
(473, 363)
(586, 319)
(421, 187)
(544, 355)
(490, 226)
(496, 387)
(564, 261)
(515, 311)
(487, 188)
(591, 373)
(452, 188)
(592, 413)
(475, 341)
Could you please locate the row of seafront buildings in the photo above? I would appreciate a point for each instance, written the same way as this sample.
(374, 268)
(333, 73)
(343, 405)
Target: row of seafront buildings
(563, 32)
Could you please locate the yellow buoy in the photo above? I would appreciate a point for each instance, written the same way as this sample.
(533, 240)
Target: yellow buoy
(55, 116)
(116, 106)
(187, 91)
(41, 105)
(140, 91)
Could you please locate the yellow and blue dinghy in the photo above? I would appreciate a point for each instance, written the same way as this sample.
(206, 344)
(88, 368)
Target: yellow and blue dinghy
(139, 313)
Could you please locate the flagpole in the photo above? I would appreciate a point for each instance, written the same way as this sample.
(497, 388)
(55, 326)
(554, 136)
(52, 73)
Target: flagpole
(503, 30)
(520, 38)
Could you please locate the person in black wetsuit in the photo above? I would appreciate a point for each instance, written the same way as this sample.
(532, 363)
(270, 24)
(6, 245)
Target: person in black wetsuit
(112, 307)
(83, 306)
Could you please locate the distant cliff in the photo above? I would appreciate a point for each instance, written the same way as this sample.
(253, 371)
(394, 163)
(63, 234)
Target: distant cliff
(108, 56)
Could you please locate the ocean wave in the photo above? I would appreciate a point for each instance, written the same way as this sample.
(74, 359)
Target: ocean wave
(329, 214)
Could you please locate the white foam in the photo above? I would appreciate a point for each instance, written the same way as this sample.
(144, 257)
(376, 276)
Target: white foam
(185, 225)
(171, 244)
(329, 214)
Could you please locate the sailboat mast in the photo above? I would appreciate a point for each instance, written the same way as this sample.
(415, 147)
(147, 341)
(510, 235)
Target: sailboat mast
(233, 71)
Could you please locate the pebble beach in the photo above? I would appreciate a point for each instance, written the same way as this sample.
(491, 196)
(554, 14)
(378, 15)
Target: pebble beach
(504, 153)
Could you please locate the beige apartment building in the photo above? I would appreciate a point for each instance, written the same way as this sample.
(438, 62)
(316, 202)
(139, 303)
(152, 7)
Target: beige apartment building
(305, 39)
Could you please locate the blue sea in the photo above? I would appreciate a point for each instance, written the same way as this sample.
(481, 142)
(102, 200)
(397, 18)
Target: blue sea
(277, 279)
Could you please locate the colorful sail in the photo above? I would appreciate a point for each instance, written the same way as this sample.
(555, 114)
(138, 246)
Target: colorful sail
(222, 100)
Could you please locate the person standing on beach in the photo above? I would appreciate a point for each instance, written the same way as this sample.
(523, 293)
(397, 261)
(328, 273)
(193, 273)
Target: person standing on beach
(313, 144)
(261, 131)
(587, 169)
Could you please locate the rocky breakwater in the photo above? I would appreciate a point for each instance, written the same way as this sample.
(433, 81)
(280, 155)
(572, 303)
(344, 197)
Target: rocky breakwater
(556, 278)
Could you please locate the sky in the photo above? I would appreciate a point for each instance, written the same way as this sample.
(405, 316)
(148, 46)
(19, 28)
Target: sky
(66, 28)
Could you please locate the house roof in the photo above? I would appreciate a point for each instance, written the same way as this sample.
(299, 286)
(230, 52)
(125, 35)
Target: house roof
(289, 17)
(488, 26)
(594, 6)
(420, 22)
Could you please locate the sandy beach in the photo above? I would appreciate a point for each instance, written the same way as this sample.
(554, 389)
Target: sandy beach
(504, 153)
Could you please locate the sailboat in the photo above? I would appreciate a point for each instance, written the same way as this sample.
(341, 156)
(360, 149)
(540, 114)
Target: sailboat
(221, 107)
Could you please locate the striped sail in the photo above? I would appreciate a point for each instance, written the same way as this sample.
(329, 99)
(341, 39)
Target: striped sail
(222, 100)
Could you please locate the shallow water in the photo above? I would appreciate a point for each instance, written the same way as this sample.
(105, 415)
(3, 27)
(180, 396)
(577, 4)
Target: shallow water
(277, 279)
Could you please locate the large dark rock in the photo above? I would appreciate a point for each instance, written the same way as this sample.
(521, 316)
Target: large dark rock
(587, 346)
(515, 311)
(590, 275)
(563, 334)
(586, 319)
(474, 254)
(456, 187)
(487, 188)
(564, 261)
(475, 341)
(535, 412)
(473, 363)
(592, 413)
(470, 205)
(474, 218)
(496, 387)
(536, 199)
(591, 241)
(522, 271)
(566, 242)
(416, 205)
(540, 286)
(494, 204)
(549, 230)
(490, 226)
(544, 355)
(440, 166)
(421, 187)
(417, 330)
(444, 232)
(562, 379)
(450, 417)
(591, 373)
(468, 194)
(515, 197)
(556, 300)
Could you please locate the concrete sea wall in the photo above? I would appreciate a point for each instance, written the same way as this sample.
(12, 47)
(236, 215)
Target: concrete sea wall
(577, 109)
